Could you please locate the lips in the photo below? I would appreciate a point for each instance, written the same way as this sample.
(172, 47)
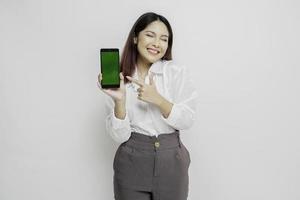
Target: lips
(153, 51)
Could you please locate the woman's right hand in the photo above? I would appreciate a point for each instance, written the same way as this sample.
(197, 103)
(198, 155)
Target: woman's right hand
(117, 94)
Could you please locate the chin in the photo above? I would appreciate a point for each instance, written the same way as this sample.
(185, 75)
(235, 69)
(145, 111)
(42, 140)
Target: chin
(153, 59)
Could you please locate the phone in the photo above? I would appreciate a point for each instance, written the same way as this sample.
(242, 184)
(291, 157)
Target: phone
(110, 67)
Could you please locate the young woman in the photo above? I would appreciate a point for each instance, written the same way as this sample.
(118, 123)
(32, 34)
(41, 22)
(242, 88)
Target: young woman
(156, 100)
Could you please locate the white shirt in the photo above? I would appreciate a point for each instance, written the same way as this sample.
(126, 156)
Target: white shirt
(174, 84)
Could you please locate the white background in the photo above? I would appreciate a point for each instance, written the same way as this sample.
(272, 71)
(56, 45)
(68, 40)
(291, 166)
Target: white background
(243, 55)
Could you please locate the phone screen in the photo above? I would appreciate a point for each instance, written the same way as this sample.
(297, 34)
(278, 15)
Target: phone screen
(110, 68)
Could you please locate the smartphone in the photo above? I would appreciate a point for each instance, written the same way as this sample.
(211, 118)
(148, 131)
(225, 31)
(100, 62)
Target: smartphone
(110, 67)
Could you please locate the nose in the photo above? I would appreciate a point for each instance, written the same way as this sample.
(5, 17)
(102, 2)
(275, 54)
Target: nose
(156, 43)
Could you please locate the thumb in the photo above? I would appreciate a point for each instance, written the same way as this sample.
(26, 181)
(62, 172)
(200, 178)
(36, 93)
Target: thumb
(121, 76)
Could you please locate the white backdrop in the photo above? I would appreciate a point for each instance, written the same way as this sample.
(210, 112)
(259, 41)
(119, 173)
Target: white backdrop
(244, 56)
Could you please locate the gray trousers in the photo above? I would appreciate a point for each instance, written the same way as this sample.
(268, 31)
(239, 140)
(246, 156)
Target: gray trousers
(151, 168)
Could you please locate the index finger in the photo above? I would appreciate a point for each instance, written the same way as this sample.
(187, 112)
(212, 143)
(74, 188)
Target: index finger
(135, 81)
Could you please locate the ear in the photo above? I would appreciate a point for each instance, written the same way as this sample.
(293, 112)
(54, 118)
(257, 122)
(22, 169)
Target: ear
(135, 40)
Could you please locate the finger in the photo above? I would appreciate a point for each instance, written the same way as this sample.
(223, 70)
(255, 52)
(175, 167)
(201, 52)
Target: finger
(135, 81)
(99, 85)
(121, 76)
(140, 97)
(106, 91)
(140, 89)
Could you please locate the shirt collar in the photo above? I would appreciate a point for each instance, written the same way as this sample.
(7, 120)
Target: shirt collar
(156, 67)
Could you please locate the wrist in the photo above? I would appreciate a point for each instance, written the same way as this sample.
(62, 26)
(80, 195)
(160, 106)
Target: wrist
(120, 102)
(160, 100)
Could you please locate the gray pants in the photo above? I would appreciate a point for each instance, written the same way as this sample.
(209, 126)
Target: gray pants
(150, 168)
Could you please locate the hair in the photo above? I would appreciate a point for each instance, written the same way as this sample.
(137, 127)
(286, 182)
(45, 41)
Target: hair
(130, 52)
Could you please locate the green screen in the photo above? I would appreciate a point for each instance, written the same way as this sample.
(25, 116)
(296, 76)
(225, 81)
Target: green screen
(110, 67)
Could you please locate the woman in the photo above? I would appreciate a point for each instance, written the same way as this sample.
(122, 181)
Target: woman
(156, 100)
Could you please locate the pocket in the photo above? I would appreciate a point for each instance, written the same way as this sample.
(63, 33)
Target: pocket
(187, 154)
(123, 158)
(183, 157)
(186, 151)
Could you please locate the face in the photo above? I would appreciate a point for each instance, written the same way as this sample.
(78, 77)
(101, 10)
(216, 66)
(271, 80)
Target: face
(152, 42)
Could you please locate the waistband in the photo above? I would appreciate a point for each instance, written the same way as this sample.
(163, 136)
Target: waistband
(163, 141)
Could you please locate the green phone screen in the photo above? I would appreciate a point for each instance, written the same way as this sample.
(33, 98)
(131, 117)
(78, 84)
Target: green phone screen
(110, 68)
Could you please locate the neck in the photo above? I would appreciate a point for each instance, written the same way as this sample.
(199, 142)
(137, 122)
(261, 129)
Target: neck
(143, 66)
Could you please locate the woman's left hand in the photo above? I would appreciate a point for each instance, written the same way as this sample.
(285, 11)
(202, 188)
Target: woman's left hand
(147, 93)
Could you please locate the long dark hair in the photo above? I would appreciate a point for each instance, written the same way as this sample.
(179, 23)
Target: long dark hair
(129, 55)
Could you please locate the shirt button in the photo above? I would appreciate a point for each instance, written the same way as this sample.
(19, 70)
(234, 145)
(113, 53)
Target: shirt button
(156, 144)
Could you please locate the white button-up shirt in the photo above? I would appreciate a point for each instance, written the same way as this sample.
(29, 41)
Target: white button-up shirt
(175, 85)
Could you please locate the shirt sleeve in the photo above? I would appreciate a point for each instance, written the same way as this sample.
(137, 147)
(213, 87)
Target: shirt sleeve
(185, 97)
(118, 129)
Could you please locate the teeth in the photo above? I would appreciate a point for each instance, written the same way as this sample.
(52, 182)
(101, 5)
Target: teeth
(153, 51)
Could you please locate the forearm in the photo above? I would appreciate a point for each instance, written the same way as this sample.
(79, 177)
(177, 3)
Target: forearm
(164, 106)
(120, 109)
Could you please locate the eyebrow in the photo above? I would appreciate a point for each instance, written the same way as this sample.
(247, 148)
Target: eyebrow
(155, 34)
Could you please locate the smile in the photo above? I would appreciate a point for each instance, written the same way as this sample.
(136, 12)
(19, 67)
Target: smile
(153, 51)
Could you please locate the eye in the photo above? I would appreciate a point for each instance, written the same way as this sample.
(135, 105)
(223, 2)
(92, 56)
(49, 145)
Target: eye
(149, 35)
(164, 40)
